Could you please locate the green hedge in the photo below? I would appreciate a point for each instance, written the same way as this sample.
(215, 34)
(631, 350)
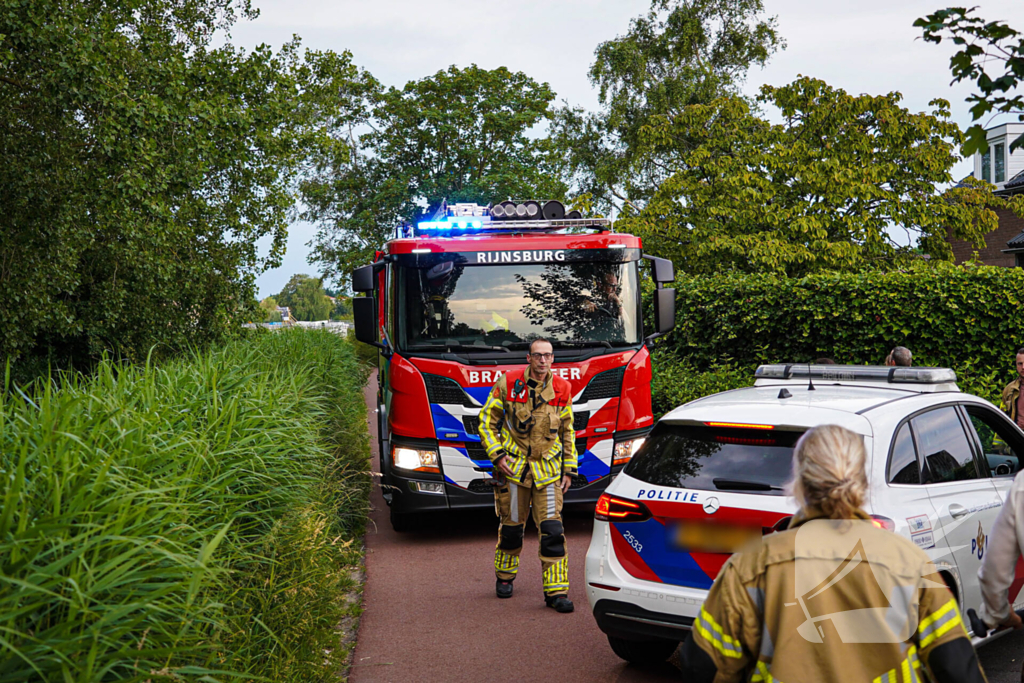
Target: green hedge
(966, 318)
(191, 521)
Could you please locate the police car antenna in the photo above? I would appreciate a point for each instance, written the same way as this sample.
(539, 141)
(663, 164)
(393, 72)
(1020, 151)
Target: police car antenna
(810, 380)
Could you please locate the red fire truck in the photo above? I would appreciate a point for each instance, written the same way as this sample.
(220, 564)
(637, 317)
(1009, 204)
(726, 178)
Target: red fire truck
(454, 302)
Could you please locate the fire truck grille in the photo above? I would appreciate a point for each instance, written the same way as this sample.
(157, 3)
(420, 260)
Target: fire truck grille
(579, 420)
(444, 390)
(607, 384)
(480, 486)
(471, 423)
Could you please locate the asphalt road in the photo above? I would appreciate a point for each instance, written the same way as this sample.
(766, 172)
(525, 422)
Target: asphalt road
(430, 614)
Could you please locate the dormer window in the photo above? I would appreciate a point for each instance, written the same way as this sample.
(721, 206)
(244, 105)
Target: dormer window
(986, 165)
(1000, 165)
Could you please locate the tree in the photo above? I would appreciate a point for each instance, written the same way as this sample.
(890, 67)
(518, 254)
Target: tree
(460, 135)
(682, 52)
(984, 46)
(310, 302)
(269, 308)
(825, 189)
(286, 297)
(342, 308)
(140, 165)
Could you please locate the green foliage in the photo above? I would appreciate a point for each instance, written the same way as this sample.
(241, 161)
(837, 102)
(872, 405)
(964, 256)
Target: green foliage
(269, 308)
(342, 308)
(983, 46)
(367, 354)
(310, 302)
(189, 521)
(960, 317)
(460, 135)
(141, 161)
(676, 382)
(682, 52)
(825, 189)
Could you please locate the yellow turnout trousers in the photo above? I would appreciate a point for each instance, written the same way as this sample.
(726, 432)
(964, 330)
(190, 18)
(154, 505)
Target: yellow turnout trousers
(512, 503)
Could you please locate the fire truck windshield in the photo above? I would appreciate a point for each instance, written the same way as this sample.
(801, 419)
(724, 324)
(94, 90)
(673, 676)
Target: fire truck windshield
(505, 307)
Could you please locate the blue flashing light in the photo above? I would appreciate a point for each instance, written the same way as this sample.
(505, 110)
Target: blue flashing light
(453, 224)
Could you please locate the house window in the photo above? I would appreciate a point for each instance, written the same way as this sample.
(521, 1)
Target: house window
(1000, 163)
(986, 166)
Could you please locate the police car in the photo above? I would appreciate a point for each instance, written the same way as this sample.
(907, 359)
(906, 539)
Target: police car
(712, 473)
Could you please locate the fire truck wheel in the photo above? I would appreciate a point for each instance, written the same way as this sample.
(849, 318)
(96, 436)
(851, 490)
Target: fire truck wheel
(401, 522)
(642, 652)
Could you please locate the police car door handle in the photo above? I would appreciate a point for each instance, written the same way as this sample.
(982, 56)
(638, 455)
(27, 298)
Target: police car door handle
(956, 511)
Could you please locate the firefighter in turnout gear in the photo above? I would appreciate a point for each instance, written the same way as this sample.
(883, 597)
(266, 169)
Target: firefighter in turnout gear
(834, 597)
(526, 427)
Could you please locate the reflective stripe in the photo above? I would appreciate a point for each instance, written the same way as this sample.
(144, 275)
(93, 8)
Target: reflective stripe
(936, 625)
(906, 672)
(763, 675)
(556, 576)
(505, 562)
(513, 492)
(492, 442)
(712, 632)
(550, 512)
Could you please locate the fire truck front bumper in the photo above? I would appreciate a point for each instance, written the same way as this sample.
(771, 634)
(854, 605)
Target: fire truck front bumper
(425, 493)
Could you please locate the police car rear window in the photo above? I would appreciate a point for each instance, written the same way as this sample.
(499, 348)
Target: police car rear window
(716, 459)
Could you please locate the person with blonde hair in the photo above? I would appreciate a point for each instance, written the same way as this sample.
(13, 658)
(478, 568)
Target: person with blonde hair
(834, 597)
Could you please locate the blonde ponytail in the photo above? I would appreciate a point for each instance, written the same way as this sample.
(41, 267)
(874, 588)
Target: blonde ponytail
(828, 471)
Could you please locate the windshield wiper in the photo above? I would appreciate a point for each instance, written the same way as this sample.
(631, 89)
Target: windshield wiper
(741, 485)
(466, 347)
(583, 344)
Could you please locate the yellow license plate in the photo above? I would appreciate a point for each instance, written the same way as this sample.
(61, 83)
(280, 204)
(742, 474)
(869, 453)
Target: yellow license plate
(714, 538)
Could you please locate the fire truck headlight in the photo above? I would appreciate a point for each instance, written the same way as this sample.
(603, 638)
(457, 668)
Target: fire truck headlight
(521, 210)
(414, 459)
(498, 211)
(624, 450)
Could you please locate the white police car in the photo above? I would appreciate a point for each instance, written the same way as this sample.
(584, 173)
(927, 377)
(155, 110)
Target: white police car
(711, 474)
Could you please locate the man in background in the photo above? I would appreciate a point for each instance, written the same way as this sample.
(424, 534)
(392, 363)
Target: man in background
(1012, 393)
(900, 357)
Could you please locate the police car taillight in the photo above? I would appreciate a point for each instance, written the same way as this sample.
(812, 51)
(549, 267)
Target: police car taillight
(883, 522)
(612, 509)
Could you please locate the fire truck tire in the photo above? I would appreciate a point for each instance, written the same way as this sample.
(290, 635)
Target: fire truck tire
(643, 652)
(401, 522)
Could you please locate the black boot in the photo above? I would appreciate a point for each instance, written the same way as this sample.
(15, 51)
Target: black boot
(559, 603)
(503, 588)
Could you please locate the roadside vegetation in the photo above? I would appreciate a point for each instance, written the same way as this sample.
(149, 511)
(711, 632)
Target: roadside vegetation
(192, 520)
(947, 316)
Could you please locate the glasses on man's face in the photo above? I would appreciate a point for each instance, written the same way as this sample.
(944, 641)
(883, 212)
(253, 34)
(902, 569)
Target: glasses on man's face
(543, 356)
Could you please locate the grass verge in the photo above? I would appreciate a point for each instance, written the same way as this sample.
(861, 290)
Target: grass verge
(191, 521)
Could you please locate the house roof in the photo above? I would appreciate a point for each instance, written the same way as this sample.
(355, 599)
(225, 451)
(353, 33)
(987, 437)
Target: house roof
(1015, 181)
(1017, 242)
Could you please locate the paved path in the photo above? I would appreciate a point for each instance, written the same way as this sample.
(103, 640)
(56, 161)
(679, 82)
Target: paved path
(429, 611)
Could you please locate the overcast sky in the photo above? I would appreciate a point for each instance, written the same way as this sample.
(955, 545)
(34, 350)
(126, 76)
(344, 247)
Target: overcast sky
(866, 47)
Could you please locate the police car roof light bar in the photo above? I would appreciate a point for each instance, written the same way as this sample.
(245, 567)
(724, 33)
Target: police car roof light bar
(855, 373)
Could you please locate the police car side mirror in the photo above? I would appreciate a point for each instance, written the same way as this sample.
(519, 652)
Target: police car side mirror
(664, 310)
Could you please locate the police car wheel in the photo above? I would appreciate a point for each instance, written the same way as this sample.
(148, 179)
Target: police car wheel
(642, 652)
(401, 522)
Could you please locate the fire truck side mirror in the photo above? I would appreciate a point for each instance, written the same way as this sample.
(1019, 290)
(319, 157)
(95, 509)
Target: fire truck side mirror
(664, 310)
(661, 269)
(364, 316)
(362, 279)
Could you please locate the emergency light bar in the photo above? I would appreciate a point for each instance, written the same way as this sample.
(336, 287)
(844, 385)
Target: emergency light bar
(855, 374)
(507, 217)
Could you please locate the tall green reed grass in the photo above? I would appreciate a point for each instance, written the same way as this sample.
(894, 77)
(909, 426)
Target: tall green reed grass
(189, 521)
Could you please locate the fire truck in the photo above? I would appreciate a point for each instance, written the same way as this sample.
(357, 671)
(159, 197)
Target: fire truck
(454, 302)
